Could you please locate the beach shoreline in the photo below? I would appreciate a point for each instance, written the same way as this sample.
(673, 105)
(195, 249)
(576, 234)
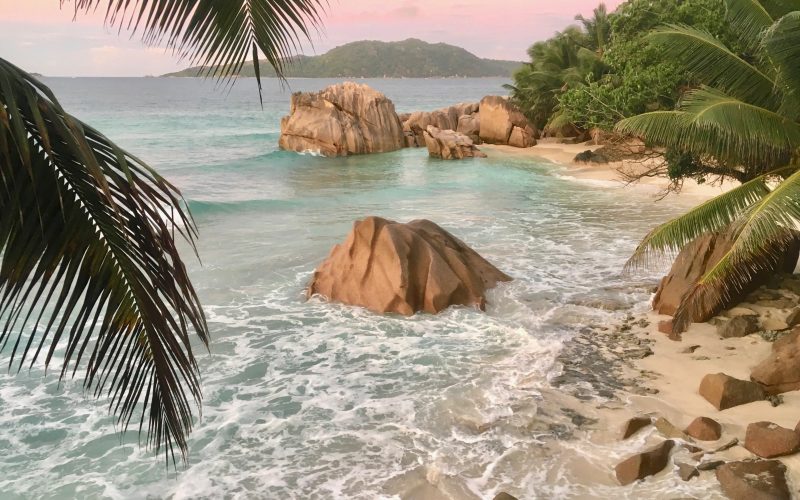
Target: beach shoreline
(608, 174)
(663, 381)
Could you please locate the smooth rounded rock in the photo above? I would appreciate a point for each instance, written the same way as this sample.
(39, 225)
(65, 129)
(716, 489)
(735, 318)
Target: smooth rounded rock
(704, 429)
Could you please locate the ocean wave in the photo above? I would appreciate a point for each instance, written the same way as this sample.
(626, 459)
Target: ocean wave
(199, 208)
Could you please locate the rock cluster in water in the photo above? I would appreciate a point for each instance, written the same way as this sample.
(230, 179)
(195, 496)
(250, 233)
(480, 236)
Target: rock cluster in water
(343, 119)
(450, 145)
(387, 266)
(350, 118)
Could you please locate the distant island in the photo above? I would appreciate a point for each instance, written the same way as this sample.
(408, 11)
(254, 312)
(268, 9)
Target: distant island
(410, 58)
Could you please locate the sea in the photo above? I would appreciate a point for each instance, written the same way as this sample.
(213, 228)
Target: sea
(313, 400)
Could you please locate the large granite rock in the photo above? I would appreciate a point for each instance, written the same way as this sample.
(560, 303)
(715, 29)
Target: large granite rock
(754, 480)
(415, 124)
(642, 465)
(450, 145)
(780, 372)
(387, 266)
(694, 260)
(470, 125)
(503, 123)
(343, 119)
(724, 391)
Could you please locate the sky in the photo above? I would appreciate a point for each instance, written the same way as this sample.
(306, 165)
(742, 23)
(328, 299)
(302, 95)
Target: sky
(42, 37)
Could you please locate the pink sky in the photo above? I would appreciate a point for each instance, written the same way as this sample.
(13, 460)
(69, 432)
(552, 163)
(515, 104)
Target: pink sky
(41, 37)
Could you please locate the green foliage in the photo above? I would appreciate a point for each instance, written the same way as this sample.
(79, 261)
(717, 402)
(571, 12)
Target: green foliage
(748, 121)
(563, 62)
(641, 77)
(410, 58)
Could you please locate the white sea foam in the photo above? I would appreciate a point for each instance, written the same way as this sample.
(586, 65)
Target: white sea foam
(316, 400)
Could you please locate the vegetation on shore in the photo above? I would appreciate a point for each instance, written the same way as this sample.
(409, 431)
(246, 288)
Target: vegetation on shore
(409, 58)
(743, 119)
(715, 86)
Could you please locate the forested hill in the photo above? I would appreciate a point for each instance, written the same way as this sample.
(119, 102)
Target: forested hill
(410, 58)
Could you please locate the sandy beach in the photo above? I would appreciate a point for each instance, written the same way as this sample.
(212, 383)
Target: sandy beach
(606, 174)
(665, 384)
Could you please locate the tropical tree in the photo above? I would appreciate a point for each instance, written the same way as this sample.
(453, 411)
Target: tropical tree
(565, 61)
(597, 28)
(90, 273)
(641, 76)
(745, 117)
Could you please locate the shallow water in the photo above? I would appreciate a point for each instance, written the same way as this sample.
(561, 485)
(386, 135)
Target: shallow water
(315, 400)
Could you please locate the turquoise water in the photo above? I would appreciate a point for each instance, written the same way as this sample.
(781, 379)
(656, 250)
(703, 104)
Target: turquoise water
(315, 400)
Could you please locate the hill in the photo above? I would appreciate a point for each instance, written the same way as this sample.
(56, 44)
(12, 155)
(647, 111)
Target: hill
(410, 58)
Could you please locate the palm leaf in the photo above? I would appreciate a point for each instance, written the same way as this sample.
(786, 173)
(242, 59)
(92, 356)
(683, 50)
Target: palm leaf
(779, 8)
(761, 236)
(750, 19)
(711, 62)
(710, 122)
(219, 35)
(782, 46)
(90, 274)
(712, 215)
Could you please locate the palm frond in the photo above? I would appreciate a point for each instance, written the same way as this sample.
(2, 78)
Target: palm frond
(90, 274)
(219, 35)
(761, 236)
(712, 123)
(711, 62)
(782, 47)
(749, 19)
(712, 215)
(779, 8)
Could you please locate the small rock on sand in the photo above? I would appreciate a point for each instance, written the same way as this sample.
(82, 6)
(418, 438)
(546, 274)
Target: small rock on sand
(704, 429)
(634, 425)
(644, 464)
(769, 440)
(504, 496)
(738, 326)
(724, 391)
(754, 480)
(668, 430)
(687, 472)
(780, 371)
(793, 319)
(710, 464)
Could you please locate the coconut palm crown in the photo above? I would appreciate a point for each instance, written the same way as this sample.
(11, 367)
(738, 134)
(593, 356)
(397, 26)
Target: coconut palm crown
(90, 273)
(746, 116)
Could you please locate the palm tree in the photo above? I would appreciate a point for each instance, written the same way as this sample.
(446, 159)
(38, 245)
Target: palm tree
(746, 116)
(90, 272)
(597, 28)
(562, 62)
